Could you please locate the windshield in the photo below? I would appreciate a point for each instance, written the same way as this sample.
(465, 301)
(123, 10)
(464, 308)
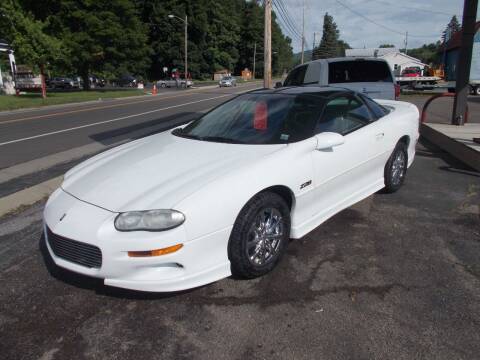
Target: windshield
(258, 119)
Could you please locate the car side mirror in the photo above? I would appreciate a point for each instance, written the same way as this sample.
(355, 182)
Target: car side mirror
(328, 140)
(278, 84)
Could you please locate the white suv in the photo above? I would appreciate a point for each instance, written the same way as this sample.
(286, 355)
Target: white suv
(370, 76)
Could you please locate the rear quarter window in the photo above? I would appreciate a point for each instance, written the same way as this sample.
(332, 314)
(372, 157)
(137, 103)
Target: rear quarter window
(358, 71)
(377, 110)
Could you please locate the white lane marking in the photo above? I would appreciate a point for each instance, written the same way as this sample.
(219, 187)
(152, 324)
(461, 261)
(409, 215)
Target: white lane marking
(111, 120)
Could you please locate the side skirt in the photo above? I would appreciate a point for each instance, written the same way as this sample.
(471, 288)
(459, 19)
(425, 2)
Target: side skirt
(309, 225)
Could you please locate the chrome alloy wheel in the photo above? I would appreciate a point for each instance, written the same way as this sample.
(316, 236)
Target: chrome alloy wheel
(265, 236)
(398, 167)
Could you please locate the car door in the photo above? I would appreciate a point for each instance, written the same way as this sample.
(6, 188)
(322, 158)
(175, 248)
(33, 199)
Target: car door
(349, 172)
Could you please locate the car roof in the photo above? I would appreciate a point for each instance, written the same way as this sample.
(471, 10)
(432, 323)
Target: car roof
(350, 58)
(324, 91)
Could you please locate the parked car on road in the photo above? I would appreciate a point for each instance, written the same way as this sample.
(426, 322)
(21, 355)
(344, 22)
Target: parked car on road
(96, 81)
(225, 193)
(173, 82)
(127, 81)
(370, 76)
(61, 83)
(227, 81)
(168, 82)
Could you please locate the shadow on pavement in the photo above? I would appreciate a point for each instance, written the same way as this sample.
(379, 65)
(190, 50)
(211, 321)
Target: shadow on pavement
(427, 149)
(160, 124)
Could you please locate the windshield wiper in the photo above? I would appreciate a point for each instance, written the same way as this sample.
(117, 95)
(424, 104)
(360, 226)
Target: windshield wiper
(179, 132)
(221, 139)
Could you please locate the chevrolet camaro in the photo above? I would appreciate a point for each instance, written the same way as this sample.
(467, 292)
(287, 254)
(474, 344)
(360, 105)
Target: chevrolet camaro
(225, 193)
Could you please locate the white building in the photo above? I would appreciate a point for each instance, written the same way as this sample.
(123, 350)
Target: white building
(397, 60)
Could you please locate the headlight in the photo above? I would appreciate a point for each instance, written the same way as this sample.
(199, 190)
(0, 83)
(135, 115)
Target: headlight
(149, 220)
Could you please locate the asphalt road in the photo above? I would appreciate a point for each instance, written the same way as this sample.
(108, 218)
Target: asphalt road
(34, 134)
(394, 277)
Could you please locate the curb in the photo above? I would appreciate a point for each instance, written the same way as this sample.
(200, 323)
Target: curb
(457, 149)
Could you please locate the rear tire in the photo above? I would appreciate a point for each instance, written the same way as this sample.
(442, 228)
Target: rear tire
(476, 90)
(259, 236)
(396, 168)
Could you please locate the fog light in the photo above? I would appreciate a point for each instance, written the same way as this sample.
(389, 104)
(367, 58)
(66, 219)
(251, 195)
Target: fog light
(158, 252)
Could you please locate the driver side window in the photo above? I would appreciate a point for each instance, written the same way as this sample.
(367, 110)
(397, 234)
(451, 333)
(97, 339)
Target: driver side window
(343, 115)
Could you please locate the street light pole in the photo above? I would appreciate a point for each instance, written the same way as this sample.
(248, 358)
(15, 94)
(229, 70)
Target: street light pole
(185, 21)
(254, 55)
(267, 47)
(186, 51)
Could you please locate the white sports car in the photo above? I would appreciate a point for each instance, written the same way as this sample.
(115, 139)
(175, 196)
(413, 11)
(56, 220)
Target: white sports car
(225, 193)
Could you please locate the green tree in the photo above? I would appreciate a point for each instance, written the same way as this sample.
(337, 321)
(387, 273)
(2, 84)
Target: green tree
(382, 46)
(452, 27)
(104, 36)
(341, 47)
(27, 36)
(428, 53)
(221, 35)
(330, 45)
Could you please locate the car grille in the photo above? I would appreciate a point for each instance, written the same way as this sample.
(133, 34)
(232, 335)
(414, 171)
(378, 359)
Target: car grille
(75, 251)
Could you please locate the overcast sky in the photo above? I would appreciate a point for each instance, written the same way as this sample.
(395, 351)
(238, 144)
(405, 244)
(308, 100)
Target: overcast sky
(397, 15)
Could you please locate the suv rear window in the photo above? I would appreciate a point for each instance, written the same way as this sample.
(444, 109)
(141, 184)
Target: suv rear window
(358, 71)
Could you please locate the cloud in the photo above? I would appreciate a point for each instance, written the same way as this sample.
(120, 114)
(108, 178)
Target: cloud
(400, 16)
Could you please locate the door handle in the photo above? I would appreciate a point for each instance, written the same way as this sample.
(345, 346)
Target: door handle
(379, 136)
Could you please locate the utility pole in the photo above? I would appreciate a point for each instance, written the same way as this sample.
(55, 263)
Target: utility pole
(267, 48)
(303, 30)
(406, 42)
(313, 46)
(171, 16)
(254, 55)
(464, 63)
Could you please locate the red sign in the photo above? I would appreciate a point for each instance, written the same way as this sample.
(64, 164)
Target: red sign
(260, 116)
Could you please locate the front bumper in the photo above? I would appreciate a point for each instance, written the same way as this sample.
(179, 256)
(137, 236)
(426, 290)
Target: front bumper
(199, 262)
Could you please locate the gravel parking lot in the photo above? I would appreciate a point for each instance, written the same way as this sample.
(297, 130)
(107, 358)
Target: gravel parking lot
(394, 277)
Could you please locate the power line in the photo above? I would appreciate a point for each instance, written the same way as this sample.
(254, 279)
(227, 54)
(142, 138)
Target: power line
(286, 20)
(410, 7)
(381, 25)
(286, 25)
(287, 14)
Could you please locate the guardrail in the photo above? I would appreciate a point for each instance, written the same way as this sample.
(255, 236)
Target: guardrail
(425, 106)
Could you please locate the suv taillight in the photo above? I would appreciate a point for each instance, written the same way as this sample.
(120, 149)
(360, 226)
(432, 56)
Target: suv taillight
(397, 91)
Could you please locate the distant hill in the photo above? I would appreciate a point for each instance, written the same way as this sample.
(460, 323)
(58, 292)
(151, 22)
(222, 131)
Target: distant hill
(306, 57)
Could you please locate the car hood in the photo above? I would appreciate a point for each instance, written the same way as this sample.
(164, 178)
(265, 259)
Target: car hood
(157, 171)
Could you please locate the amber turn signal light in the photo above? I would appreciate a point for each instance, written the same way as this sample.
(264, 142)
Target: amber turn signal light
(158, 252)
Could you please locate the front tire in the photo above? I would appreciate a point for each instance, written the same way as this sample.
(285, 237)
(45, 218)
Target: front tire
(396, 168)
(259, 236)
